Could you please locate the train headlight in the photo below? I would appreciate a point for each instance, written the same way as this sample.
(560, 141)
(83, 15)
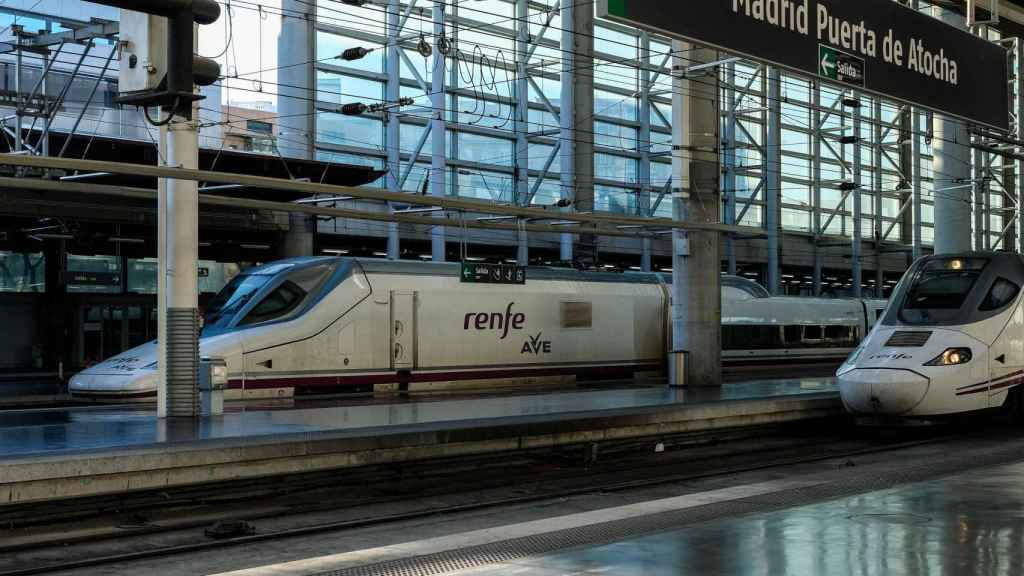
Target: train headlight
(951, 357)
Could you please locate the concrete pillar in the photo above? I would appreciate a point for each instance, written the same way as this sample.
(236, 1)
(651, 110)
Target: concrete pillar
(951, 166)
(300, 240)
(178, 256)
(296, 53)
(696, 296)
(439, 135)
(567, 123)
(582, 79)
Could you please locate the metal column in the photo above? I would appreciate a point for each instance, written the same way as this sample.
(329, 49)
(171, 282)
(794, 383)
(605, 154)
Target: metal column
(856, 241)
(729, 164)
(773, 174)
(522, 124)
(439, 136)
(816, 189)
(916, 246)
(393, 132)
(643, 146)
(876, 185)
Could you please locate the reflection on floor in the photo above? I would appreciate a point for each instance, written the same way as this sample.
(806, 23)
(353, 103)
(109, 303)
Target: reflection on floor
(967, 524)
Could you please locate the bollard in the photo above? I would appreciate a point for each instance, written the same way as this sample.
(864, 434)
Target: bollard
(213, 379)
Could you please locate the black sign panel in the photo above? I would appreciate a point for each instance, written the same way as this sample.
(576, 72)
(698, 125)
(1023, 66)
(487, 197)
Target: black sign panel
(879, 46)
(493, 273)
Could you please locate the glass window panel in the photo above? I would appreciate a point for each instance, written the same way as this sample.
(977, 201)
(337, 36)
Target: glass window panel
(796, 220)
(612, 167)
(615, 42)
(485, 185)
(354, 159)
(614, 105)
(360, 131)
(487, 113)
(548, 193)
(795, 141)
(538, 157)
(485, 149)
(22, 272)
(340, 89)
(615, 136)
(370, 18)
(615, 200)
(541, 120)
(551, 88)
(410, 134)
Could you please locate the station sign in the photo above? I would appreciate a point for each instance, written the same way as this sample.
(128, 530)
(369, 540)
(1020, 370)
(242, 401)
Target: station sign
(477, 273)
(877, 46)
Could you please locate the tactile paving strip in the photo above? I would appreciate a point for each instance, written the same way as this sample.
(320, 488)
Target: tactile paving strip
(853, 482)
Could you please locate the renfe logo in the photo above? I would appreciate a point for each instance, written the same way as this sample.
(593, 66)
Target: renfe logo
(495, 321)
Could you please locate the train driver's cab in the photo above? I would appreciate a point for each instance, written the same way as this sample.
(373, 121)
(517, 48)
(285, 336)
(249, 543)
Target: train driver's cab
(956, 290)
(272, 293)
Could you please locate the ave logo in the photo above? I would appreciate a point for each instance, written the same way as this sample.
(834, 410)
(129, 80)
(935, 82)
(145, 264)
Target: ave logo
(536, 346)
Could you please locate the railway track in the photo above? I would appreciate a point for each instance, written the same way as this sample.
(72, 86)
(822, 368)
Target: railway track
(138, 522)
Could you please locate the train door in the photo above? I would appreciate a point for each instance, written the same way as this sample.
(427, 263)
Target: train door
(403, 330)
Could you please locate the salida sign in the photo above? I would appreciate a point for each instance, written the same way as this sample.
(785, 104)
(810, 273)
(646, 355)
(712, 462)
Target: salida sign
(879, 46)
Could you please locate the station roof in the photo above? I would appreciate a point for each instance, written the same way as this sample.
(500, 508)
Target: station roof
(84, 146)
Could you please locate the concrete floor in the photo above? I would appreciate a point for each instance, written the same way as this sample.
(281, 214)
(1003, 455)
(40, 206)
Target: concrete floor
(60, 430)
(967, 524)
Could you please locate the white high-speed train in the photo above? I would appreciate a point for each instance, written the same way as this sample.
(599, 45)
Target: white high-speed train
(320, 323)
(951, 342)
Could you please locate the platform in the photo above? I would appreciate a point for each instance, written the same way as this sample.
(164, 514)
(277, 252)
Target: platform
(59, 453)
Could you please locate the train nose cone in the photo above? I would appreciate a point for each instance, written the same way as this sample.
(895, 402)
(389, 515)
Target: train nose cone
(882, 390)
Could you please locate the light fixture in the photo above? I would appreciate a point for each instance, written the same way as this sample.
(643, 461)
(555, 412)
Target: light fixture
(334, 251)
(255, 246)
(379, 253)
(119, 240)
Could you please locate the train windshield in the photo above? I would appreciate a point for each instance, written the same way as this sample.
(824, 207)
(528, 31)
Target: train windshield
(232, 298)
(263, 297)
(939, 289)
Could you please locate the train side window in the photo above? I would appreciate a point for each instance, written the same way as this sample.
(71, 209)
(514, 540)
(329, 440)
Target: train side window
(839, 334)
(577, 314)
(793, 334)
(812, 333)
(1002, 293)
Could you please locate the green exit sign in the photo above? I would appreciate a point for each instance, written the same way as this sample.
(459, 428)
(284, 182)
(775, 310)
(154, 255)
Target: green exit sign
(840, 66)
(475, 273)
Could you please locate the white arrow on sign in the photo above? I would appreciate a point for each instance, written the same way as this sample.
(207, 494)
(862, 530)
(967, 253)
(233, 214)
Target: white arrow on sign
(827, 65)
